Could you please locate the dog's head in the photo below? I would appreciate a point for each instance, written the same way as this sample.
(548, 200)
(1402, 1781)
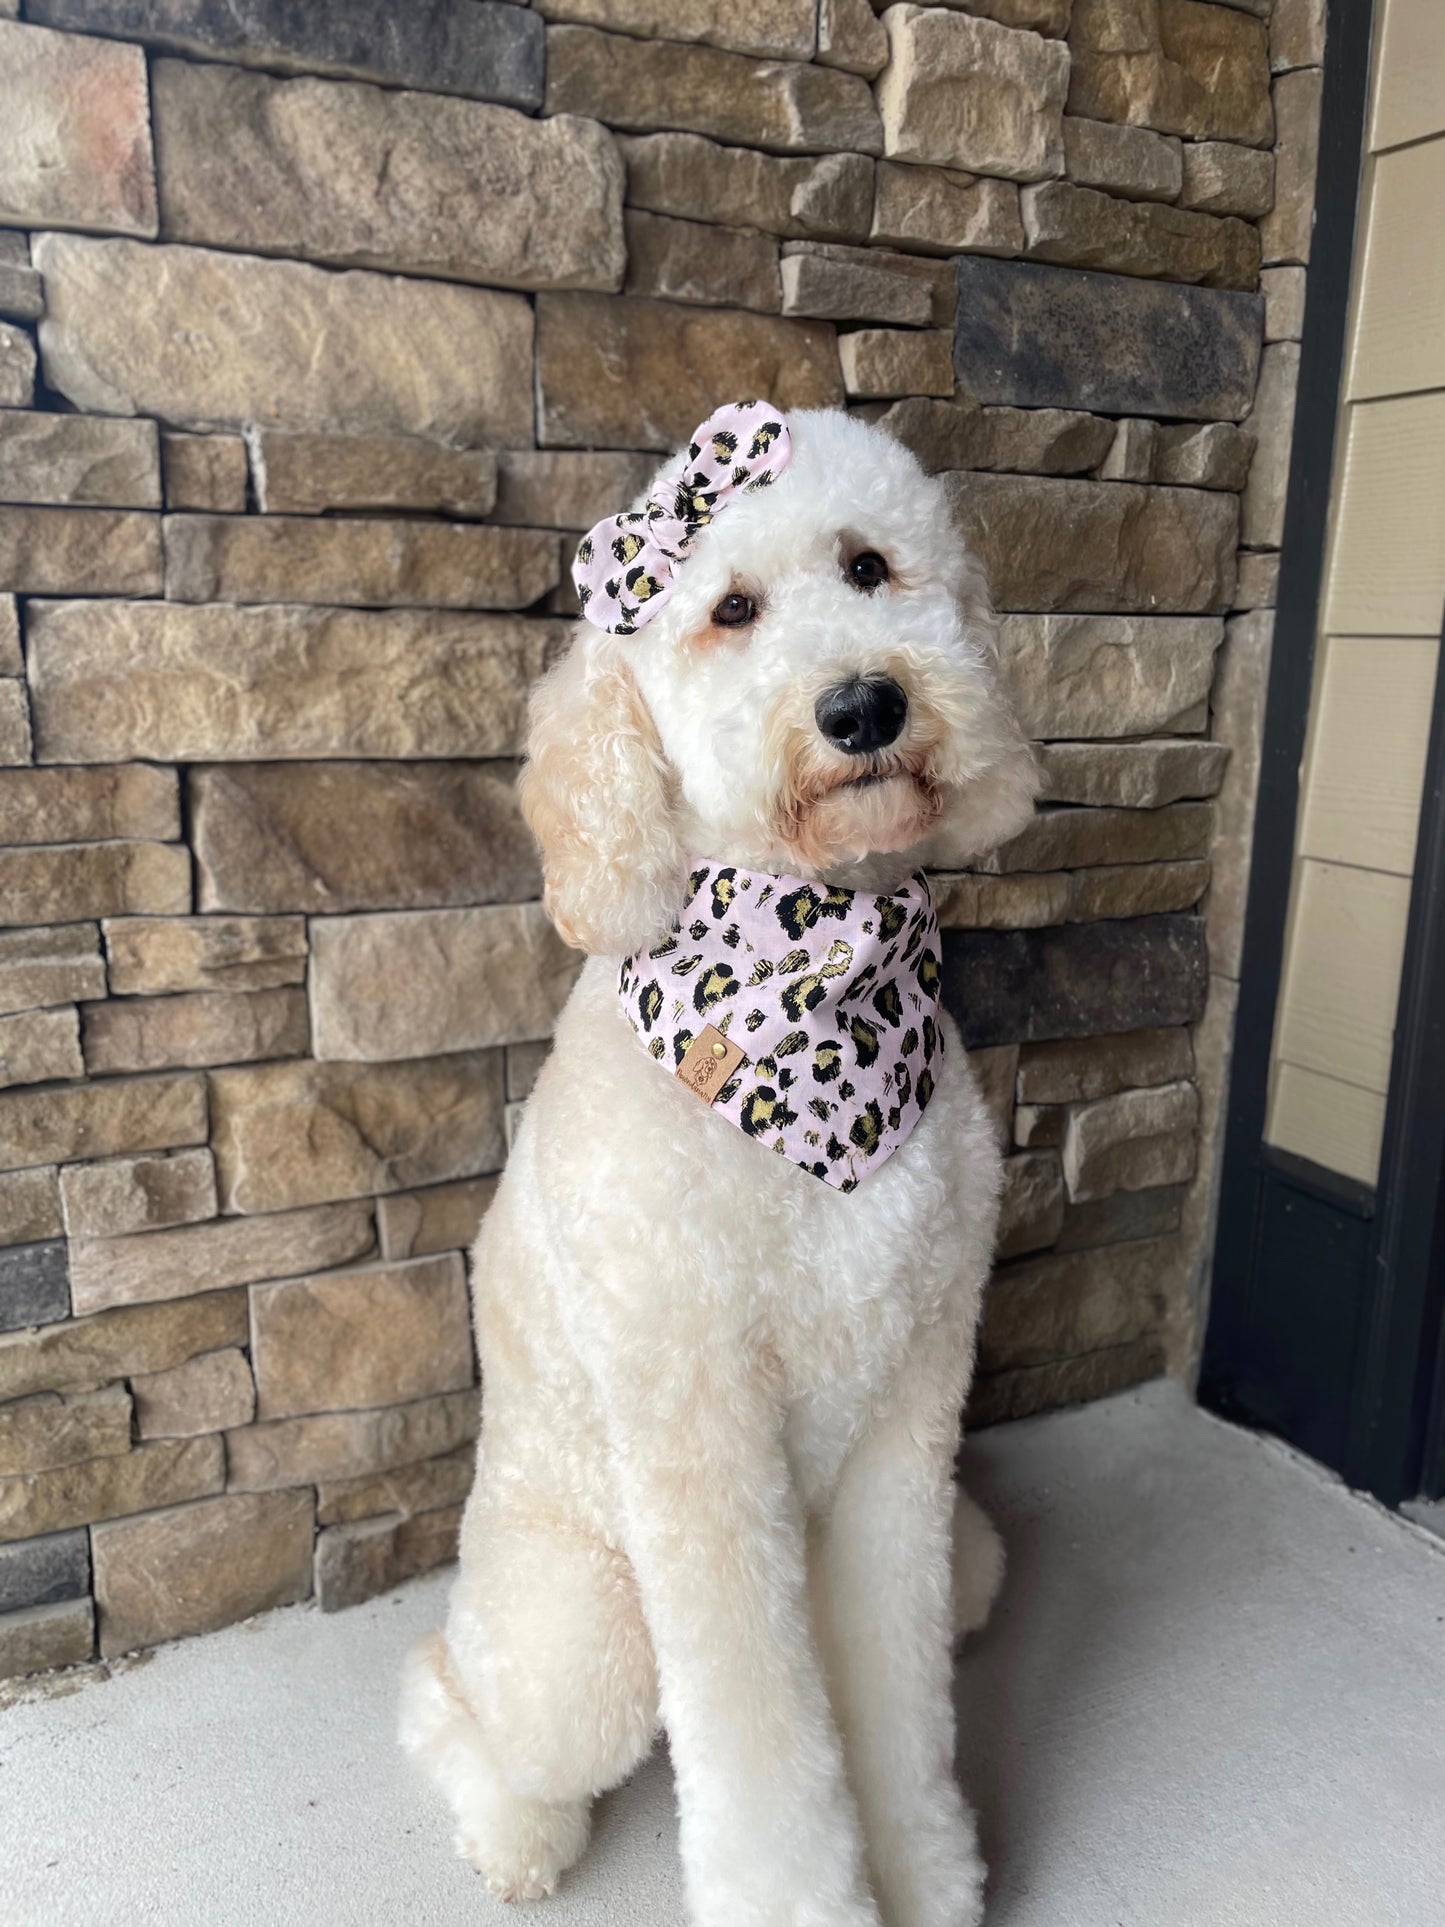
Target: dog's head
(817, 696)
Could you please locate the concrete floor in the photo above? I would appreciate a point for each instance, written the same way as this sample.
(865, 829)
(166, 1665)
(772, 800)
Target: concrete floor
(1213, 1695)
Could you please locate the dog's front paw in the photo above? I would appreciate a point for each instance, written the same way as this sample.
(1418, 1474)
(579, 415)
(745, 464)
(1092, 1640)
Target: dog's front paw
(523, 1847)
(933, 1875)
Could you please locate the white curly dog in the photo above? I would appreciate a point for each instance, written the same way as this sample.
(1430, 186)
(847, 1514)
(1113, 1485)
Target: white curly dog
(721, 1401)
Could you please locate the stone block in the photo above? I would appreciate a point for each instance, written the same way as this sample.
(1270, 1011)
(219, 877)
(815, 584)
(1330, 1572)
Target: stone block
(850, 37)
(34, 1284)
(1062, 838)
(151, 1265)
(207, 1394)
(969, 902)
(1131, 776)
(1100, 676)
(197, 1567)
(1178, 66)
(524, 1065)
(1131, 456)
(101, 804)
(1271, 423)
(40, 1572)
(1222, 178)
(782, 28)
(1081, 228)
(12, 663)
(1069, 545)
(1029, 986)
(1042, 16)
(1122, 160)
(1137, 890)
(195, 335)
(17, 367)
(1284, 303)
(672, 260)
(1031, 1213)
(327, 1446)
(1132, 1141)
(81, 1353)
(478, 48)
(1032, 900)
(15, 740)
(1285, 231)
(383, 1335)
(1039, 1126)
(1029, 441)
(427, 982)
(356, 1562)
(849, 284)
(151, 955)
(38, 1045)
(968, 93)
(311, 474)
(29, 1212)
(80, 460)
(787, 106)
(1240, 693)
(166, 1473)
(443, 1217)
(206, 473)
(643, 374)
(199, 683)
(1029, 1390)
(1123, 1218)
(68, 881)
(407, 1490)
(122, 1195)
(63, 551)
(828, 198)
(1062, 1307)
(1213, 455)
(1078, 1070)
(555, 489)
(45, 1432)
(21, 292)
(75, 136)
(57, 1124)
(994, 1071)
(468, 192)
(42, 1637)
(301, 1133)
(937, 210)
(879, 363)
(1297, 34)
(198, 1028)
(1040, 337)
(58, 964)
(1258, 582)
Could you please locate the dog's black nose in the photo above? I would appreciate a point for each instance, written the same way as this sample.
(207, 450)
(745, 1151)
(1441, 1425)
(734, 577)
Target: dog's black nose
(863, 715)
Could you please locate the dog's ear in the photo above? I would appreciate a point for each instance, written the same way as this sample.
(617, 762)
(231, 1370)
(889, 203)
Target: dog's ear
(598, 795)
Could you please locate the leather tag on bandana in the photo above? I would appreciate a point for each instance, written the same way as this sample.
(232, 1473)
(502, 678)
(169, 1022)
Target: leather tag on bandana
(708, 1062)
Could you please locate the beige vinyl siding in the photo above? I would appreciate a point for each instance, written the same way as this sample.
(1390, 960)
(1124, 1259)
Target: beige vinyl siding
(1399, 333)
(1409, 97)
(1387, 571)
(1338, 1011)
(1333, 1124)
(1371, 723)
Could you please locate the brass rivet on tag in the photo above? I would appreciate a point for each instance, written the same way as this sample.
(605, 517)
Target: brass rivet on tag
(719, 1050)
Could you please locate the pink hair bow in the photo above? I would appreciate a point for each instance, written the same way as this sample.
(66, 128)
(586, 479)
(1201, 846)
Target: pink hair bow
(625, 566)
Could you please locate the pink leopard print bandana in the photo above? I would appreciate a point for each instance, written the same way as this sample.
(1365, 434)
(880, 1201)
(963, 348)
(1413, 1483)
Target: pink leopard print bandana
(807, 1016)
(625, 568)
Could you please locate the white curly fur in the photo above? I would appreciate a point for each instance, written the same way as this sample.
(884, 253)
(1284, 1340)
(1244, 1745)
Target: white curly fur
(721, 1400)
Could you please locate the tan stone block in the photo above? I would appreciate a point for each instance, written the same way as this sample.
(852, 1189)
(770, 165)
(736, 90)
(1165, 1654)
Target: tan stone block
(197, 1567)
(1037, 1126)
(1031, 1213)
(524, 1065)
(1285, 231)
(41, 1637)
(443, 1217)
(37, 1045)
(385, 1334)
(78, 459)
(1137, 890)
(1062, 545)
(82, 1353)
(1031, 901)
(940, 278)
(1258, 582)
(17, 367)
(1036, 441)
(970, 902)
(1041, 16)
(206, 1394)
(879, 363)
(1125, 1216)
(672, 260)
(46, 1431)
(937, 210)
(994, 1071)
(1178, 66)
(344, 1445)
(196, 335)
(1222, 178)
(784, 105)
(1080, 228)
(1092, 676)
(1123, 160)
(1077, 1070)
(1284, 303)
(1063, 838)
(138, 1194)
(1203, 455)
(407, 1490)
(63, 551)
(465, 191)
(152, 955)
(1297, 34)
(643, 374)
(1240, 693)
(421, 983)
(310, 474)
(1131, 455)
(165, 1473)
(69, 881)
(827, 198)
(146, 1266)
(15, 740)
(1060, 1307)
(555, 489)
(1131, 1141)
(59, 1123)
(204, 472)
(75, 137)
(1271, 423)
(1028, 1390)
(29, 1207)
(850, 37)
(300, 1133)
(778, 27)
(50, 965)
(356, 1562)
(961, 92)
(195, 683)
(1133, 776)
(89, 805)
(12, 663)
(359, 836)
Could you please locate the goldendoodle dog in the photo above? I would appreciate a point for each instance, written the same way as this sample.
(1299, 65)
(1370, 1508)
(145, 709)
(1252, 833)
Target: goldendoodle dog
(727, 1294)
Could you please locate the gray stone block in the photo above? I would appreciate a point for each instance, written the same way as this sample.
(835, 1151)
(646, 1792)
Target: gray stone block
(1044, 337)
(36, 1572)
(34, 1285)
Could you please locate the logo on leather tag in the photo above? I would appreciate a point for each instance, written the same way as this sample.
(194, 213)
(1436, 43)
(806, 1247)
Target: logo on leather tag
(708, 1062)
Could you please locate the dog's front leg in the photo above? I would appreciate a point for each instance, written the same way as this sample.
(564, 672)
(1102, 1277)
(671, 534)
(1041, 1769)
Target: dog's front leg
(770, 1834)
(882, 1583)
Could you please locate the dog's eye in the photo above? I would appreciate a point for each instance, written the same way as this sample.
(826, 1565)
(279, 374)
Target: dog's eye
(868, 571)
(734, 610)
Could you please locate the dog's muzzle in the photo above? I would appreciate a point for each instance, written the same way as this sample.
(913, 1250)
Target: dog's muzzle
(862, 716)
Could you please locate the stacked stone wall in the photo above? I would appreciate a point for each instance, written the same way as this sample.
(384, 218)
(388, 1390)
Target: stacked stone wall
(323, 331)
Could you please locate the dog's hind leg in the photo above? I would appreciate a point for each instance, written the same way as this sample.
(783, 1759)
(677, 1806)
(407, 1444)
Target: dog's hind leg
(978, 1563)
